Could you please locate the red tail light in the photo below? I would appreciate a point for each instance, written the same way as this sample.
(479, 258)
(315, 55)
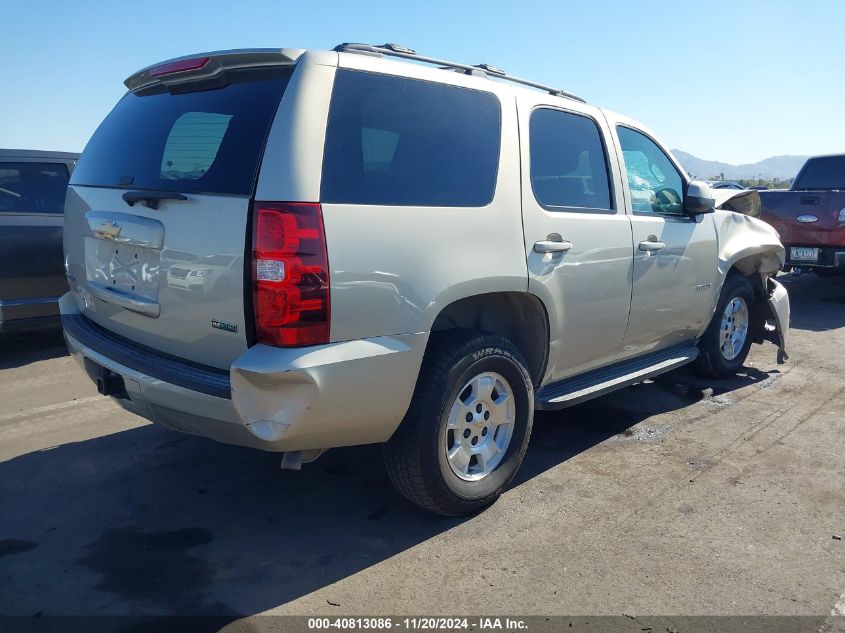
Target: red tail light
(290, 274)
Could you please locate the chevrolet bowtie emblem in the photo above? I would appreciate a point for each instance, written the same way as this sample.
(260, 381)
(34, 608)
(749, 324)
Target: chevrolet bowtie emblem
(108, 230)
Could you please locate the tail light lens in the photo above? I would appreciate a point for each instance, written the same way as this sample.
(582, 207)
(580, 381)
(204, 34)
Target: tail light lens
(179, 67)
(290, 274)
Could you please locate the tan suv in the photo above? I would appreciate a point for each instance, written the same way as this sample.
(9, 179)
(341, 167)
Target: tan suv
(413, 255)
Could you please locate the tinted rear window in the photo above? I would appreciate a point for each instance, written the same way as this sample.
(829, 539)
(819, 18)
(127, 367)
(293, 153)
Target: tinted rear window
(209, 141)
(33, 187)
(406, 142)
(823, 173)
(568, 167)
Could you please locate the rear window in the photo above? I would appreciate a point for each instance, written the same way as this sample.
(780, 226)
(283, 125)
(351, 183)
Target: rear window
(406, 142)
(33, 187)
(208, 141)
(827, 172)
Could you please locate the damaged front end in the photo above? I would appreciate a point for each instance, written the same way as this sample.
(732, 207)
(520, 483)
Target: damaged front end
(772, 317)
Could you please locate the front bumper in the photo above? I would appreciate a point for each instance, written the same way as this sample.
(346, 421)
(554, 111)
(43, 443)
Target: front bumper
(275, 399)
(779, 310)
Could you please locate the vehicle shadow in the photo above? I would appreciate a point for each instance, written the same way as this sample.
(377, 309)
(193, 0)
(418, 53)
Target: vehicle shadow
(560, 435)
(817, 304)
(147, 522)
(151, 522)
(22, 348)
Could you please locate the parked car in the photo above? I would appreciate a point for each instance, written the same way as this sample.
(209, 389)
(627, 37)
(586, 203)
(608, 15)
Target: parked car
(725, 184)
(810, 217)
(32, 274)
(430, 256)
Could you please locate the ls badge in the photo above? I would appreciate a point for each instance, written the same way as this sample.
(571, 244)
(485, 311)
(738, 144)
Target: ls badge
(221, 325)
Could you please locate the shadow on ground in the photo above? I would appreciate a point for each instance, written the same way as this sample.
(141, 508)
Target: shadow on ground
(817, 304)
(22, 348)
(150, 522)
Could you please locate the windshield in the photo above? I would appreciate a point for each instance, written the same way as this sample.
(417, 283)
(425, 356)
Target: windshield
(825, 172)
(207, 141)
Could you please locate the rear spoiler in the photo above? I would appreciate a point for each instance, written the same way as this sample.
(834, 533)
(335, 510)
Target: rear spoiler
(209, 66)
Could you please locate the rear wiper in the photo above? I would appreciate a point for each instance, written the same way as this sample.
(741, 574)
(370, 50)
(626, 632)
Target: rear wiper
(151, 198)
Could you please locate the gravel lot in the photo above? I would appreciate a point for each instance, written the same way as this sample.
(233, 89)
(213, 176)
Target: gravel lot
(653, 500)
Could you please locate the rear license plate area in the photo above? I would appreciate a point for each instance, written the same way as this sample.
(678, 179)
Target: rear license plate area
(804, 254)
(126, 268)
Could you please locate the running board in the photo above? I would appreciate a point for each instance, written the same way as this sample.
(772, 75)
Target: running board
(571, 391)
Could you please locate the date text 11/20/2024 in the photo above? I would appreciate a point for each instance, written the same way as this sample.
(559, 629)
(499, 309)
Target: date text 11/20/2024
(418, 624)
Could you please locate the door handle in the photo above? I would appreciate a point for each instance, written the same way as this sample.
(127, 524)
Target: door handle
(652, 245)
(552, 246)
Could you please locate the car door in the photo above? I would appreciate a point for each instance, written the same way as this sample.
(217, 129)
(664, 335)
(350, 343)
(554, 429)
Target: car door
(577, 235)
(675, 255)
(32, 276)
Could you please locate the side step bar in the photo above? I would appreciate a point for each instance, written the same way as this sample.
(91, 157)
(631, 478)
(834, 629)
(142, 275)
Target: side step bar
(571, 391)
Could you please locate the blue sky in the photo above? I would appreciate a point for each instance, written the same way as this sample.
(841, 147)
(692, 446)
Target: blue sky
(733, 81)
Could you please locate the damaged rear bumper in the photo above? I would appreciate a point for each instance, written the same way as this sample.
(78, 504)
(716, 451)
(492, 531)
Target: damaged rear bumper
(275, 399)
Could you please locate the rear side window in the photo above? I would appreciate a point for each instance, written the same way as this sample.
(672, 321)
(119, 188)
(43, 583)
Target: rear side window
(826, 172)
(406, 142)
(207, 141)
(33, 187)
(568, 166)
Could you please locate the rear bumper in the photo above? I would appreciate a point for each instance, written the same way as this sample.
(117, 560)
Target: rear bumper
(24, 314)
(829, 257)
(279, 399)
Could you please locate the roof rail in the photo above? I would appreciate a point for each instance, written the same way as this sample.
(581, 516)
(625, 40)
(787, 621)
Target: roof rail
(481, 70)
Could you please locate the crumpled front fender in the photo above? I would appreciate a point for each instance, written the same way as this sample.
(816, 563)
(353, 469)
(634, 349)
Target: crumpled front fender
(747, 243)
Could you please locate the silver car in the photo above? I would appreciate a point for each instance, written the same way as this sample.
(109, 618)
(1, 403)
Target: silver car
(32, 197)
(298, 250)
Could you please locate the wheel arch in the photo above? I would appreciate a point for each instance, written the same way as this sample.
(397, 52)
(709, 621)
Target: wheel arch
(520, 317)
(754, 268)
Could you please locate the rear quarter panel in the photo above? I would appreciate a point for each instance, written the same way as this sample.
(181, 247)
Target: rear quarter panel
(394, 268)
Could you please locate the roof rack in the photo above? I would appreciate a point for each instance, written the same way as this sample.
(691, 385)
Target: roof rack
(480, 70)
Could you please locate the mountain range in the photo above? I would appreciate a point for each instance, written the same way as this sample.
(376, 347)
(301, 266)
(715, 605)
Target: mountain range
(775, 167)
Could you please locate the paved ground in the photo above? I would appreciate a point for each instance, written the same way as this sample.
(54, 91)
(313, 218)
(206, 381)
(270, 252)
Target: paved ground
(649, 501)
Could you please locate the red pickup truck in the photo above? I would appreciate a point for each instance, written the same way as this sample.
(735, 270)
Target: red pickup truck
(810, 217)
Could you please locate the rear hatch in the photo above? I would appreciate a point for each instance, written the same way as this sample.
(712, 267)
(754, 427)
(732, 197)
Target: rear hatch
(157, 215)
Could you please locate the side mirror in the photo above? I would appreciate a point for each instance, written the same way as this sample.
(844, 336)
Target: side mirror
(699, 199)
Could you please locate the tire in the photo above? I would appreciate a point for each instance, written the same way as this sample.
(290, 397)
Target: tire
(717, 358)
(416, 456)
